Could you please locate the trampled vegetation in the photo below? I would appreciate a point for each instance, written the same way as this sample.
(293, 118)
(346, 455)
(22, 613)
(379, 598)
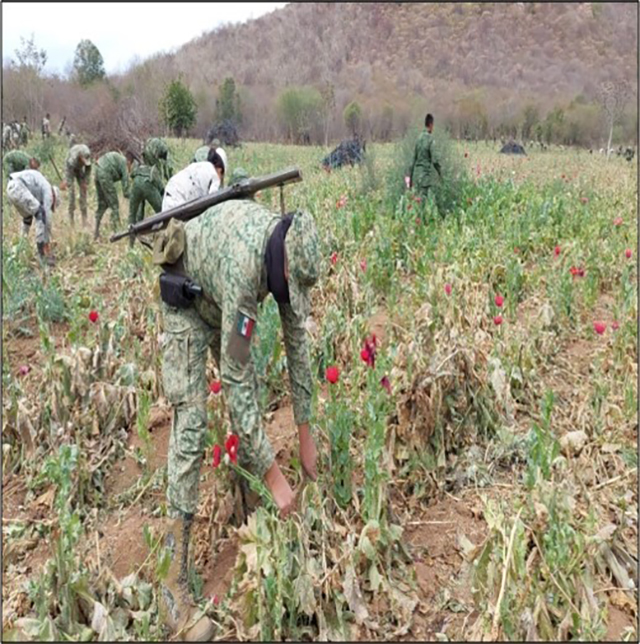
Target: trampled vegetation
(475, 408)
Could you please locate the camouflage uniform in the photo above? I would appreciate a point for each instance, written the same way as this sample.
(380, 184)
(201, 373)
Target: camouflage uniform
(156, 153)
(46, 128)
(425, 164)
(15, 161)
(32, 195)
(146, 187)
(224, 254)
(201, 154)
(78, 170)
(110, 168)
(24, 133)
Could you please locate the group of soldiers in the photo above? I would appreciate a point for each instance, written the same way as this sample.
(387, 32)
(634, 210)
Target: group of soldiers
(15, 134)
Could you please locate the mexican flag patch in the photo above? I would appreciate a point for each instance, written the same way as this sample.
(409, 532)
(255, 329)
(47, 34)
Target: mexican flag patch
(245, 326)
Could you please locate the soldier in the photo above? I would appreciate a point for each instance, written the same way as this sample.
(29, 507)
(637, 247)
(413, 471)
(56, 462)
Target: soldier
(196, 180)
(34, 197)
(202, 153)
(17, 160)
(425, 162)
(270, 254)
(78, 168)
(110, 168)
(156, 153)
(24, 132)
(46, 127)
(146, 187)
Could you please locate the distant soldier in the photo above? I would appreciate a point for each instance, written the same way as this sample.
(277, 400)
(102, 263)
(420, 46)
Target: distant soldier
(196, 180)
(425, 162)
(24, 132)
(17, 161)
(146, 187)
(78, 168)
(6, 136)
(156, 153)
(46, 127)
(34, 198)
(110, 168)
(201, 153)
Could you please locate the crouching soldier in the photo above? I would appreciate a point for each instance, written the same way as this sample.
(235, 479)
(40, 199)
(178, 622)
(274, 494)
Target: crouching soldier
(34, 198)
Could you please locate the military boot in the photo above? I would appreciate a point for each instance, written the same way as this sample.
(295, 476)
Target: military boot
(180, 612)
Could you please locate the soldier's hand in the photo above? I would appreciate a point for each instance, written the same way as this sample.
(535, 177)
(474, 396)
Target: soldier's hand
(308, 451)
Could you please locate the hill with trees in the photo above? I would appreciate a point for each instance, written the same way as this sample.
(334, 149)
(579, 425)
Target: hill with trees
(532, 70)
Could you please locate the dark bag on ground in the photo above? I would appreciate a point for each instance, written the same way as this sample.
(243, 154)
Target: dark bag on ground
(178, 291)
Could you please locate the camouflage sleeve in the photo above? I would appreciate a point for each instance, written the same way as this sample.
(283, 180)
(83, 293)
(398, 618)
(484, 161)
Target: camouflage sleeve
(295, 342)
(434, 158)
(239, 314)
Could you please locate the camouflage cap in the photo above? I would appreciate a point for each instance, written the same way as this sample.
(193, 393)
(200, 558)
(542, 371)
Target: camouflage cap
(303, 255)
(168, 245)
(238, 175)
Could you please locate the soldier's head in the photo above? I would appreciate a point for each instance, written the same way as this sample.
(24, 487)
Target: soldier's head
(218, 163)
(34, 163)
(301, 261)
(428, 122)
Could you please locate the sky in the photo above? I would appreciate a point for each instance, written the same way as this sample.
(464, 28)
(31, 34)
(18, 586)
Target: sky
(121, 31)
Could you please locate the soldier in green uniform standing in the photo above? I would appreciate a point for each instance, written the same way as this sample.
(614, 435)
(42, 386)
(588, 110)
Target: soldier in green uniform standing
(425, 169)
(110, 168)
(156, 153)
(17, 160)
(146, 187)
(78, 168)
(268, 253)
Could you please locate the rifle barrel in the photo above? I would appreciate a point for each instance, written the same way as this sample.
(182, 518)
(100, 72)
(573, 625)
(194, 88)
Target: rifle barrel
(196, 207)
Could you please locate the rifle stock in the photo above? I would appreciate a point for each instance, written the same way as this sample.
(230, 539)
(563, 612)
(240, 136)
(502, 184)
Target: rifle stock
(195, 207)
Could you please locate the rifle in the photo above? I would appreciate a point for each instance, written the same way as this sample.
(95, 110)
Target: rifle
(190, 209)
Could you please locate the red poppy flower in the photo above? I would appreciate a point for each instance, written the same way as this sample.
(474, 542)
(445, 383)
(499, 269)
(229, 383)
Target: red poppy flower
(216, 600)
(215, 387)
(231, 447)
(24, 370)
(217, 454)
(368, 353)
(599, 327)
(342, 201)
(364, 355)
(447, 288)
(617, 221)
(334, 258)
(584, 200)
(576, 272)
(499, 301)
(628, 253)
(556, 251)
(93, 316)
(332, 375)
(497, 320)
(614, 325)
(386, 384)
(363, 264)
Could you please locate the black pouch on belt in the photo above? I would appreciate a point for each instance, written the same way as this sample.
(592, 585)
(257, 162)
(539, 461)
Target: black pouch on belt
(178, 291)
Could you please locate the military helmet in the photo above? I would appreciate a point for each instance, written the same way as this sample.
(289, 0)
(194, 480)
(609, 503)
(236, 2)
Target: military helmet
(238, 175)
(303, 255)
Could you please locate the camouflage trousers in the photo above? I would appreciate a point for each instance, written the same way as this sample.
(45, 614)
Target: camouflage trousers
(107, 198)
(187, 339)
(143, 191)
(72, 177)
(27, 205)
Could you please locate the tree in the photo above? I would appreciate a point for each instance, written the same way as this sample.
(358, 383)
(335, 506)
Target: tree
(88, 64)
(530, 119)
(299, 110)
(178, 108)
(353, 117)
(31, 62)
(328, 104)
(613, 97)
(386, 123)
(228, 102)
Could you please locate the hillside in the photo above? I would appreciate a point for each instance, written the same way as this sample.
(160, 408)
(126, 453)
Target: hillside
(403, 53)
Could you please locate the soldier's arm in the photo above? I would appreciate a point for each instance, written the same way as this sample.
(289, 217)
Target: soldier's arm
(435, 160)
(124, 175)
(295, 342)
(239, 313)
(413, 164)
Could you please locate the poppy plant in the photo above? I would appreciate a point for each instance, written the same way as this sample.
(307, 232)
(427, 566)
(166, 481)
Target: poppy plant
(447, 288)
(24, 370)
(386, 384)
(93, 316)
(497, 320)
(334, 258)
(217, 454)
(556, 251)
(231, 447)
(628, 253)
(215, 387)
(368, 353)
(617, 221)
(576, 272)
(332, 374)
(341, 202)
(363, 264)
(499, 301)
(615, 325)
(599, 327)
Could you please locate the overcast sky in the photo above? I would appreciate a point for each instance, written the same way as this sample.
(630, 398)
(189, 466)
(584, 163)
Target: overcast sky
(119, 30)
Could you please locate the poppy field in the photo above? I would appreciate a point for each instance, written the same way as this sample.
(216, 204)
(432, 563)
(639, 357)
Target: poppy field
(475, 411)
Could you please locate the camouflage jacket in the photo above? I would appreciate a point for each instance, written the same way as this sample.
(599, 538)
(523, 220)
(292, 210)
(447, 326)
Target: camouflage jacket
(202, 153)
(225, 248)
(425, 162)
(16, 160)
(38, 186)
(113, 166)
(148, 173)
(154, 148)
